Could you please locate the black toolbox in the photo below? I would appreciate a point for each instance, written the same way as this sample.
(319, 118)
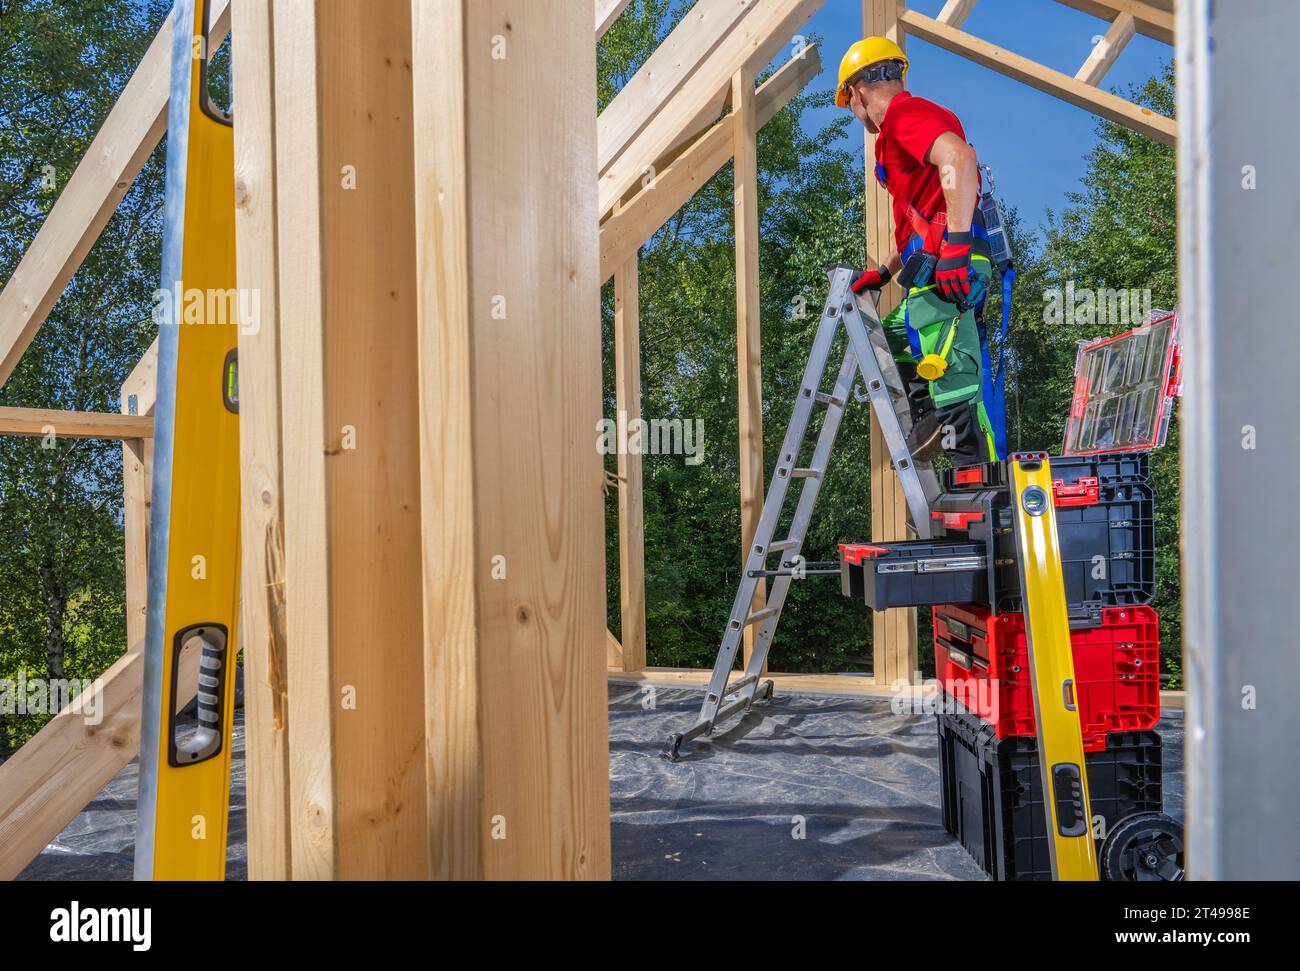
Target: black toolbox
(993, 794)
(1105, 520)
(913, 573)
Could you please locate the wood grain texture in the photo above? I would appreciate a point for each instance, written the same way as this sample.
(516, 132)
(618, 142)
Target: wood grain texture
(893, 632)
(749, 326)
(1107, 50)
(515, 663)
(607, 12)
(678, 179)
(1055, 83)
(683, 95)
(631, 497)
(262, 590)
(1154, 18)
(40, 422)
(101, 180)
(349, 397)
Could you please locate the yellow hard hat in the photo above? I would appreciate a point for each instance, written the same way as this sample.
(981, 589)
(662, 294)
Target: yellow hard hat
(865, 53)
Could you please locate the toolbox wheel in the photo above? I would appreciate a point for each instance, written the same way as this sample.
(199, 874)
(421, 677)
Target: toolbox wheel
(1144, 847)
(673, 748)
(768, 688)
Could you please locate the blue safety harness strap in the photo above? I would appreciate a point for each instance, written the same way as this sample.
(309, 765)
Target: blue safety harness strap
(995, 384)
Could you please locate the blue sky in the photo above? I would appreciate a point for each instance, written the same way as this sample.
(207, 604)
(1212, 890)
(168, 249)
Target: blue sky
(1035, 143)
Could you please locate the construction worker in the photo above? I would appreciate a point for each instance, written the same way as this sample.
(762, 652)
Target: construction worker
(942, 255)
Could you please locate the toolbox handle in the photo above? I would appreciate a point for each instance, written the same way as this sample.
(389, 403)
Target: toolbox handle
(1085, 492)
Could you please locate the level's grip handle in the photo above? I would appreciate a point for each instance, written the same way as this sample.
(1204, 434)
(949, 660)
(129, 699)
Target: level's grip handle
(206, 740)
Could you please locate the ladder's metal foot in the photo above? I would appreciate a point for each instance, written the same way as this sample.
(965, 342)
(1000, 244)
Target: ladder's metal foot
(673, 748)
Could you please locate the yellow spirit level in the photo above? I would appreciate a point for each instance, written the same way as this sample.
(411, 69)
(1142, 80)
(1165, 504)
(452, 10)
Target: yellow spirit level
(194, 530)
(1051, 664)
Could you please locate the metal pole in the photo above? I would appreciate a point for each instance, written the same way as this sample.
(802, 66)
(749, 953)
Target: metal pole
(1238, 200)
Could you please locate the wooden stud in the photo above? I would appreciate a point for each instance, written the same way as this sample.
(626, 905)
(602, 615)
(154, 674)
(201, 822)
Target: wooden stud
(955, 12)
(631, 499)
(1107, 50)
(749, 331)
(349, 410)
(512, 502)
(262, 588)
(1072, 90)
(127, 138)
(894, 647)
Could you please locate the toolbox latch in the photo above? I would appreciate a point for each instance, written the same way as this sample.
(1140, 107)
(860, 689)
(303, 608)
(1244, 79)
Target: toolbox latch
(1085, 492)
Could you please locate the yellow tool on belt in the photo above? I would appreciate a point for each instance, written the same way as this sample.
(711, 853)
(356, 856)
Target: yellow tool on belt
(194, 532)
(1051, 664)
(933, 366)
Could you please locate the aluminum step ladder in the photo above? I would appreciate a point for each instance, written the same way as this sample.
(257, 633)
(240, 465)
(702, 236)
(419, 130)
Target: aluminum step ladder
(867, 353)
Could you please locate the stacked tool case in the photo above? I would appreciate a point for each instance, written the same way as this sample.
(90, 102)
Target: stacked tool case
(982, 660)
(1105, 518)
(967, 571)
(993, 793)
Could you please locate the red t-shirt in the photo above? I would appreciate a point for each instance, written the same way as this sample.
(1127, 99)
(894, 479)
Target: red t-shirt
(907, 133)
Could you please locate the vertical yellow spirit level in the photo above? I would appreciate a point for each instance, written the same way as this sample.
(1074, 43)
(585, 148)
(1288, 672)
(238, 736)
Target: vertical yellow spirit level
(1051, 664)
(194, 529)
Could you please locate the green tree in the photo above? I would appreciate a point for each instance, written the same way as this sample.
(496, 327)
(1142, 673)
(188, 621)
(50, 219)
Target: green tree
(61, 572)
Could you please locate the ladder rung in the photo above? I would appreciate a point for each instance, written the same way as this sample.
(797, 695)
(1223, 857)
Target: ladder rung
(805, 473)
(759, 616)
(829, 399)
(785, 544)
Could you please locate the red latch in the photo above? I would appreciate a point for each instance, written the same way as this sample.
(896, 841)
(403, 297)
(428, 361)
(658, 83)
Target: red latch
(1174, 389)
(857, 552)
(958, 520)
(970, 476)
(1085, 492)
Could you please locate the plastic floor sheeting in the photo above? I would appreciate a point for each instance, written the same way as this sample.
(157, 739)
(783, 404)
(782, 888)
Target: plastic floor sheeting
(805, 787)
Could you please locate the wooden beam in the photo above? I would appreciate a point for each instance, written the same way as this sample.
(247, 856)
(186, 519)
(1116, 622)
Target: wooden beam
(137, 397)
(955, 12)
(127, 138)
(893, 632)
(51, 778)
(607, 12)
(60, 769)
(1151, 19)
(654, 86)
(42, 422)
(140, 389)
(1107, 50)
(749, 329)
(262, 590)
(1062, 86)
(677, 100)
(635, 221)
(631, 499)
(512, 504)
(836, 684)
(348, 414)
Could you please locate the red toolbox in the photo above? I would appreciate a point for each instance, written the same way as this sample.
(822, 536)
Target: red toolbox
(982, 660)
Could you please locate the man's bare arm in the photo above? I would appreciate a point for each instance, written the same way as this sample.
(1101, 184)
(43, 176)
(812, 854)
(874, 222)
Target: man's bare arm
(960, 177)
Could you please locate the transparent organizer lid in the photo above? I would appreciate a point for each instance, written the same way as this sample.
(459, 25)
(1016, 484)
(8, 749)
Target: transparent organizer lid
(1124, 389)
